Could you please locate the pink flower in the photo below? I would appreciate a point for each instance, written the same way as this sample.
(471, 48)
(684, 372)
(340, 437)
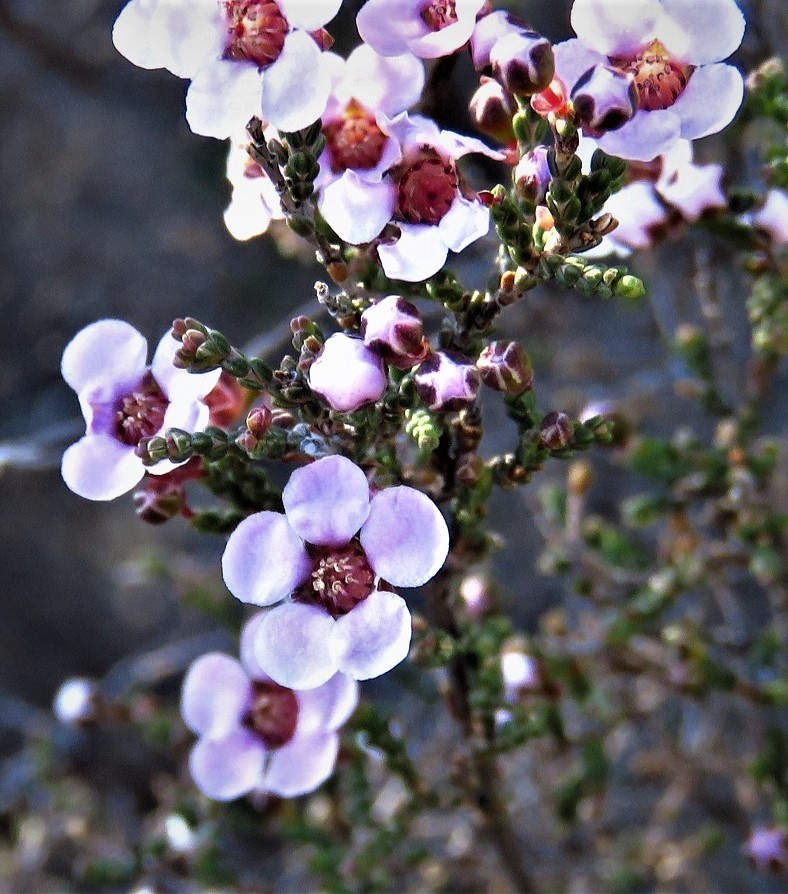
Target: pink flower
(447, 381)
(254, 202)
(243, 57)
(124, 400)
(330, 561)
(426, 28)
(672, 51)
(772, 216)
(255, 735)
(367, 90)
(347, 374)
(393, 329)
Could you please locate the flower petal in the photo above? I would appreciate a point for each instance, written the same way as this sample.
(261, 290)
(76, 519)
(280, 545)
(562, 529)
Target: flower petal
(646, 136)
(405, 537)
(309, 15)
(246, 651)
(466, 221)
(227, 767)
(327, 707)
(638, 211)
(452, 37)
(301, 765)
(701, 31)
(264, 560)
(573, 59)
(693, 189)
(710, 101)
(222, 97)
(418, 253)
(389, 84)
(297, 85)
(292, 645)
(389, 26)
(373, 637)
(190, 36)
(772, 217)
(136, 38)
(215, 694)
(107, 351)
(100, 467)
(346, 374)
(616, 28)
(355, 209)
(327, 501)
(179, 384)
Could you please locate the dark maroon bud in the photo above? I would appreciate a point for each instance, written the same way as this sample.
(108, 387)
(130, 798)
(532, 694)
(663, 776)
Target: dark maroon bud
(447, 381)
(504, 366)
(556, 432)
(259, 421)
(523, 62)
(604, 99)
(492, 108)
(532, 175)
(393, 329)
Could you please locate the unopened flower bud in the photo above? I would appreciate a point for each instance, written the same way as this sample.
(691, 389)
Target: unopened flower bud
(77, 702)
(544, 218)
(556, 432)
(504, 366)
(532, 175)
(259, 421)
(492, 108)
(446, 381)
(476, 596)
(346, 374)
(393, 329)
(523, 62)
(767, 849)
(604, 99)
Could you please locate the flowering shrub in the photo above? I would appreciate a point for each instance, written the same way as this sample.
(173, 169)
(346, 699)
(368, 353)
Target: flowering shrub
(364, 462)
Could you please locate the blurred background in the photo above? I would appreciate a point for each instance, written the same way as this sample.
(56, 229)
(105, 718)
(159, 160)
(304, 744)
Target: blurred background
(109, 206)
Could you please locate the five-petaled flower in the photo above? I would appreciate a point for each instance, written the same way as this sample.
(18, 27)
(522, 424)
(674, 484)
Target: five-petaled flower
(331, 561)
(243, 57)
(671, 51)
(255, 735)
(123, 401)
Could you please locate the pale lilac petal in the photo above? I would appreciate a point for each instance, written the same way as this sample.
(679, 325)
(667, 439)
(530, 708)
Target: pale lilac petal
(773, 216)
(227, 767)
(389, 84)
(573, 59)
(440, 43)
(301, 765)
(246, 651)
(373, 637)
(701, 31)
(465, 222)
(179, 384)
(191, 34)
(297, 85)
(405, 537)
(346, 374)
(616, 27)
(389, 26)
(327, 501)
(456, 145)
(693, 189)
(136, 38)
(355, 209)
(414, 130)
(326, 708)
(111, 351)
(264, 560)
(646, 136)
(638, 211)
(710, 101)
(100, 467)
(418, 253)
(250, 212)
(292, 645)
(223, 96)
(309, 15)
(215, 694)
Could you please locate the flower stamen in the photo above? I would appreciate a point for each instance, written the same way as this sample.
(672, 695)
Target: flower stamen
(256, 31)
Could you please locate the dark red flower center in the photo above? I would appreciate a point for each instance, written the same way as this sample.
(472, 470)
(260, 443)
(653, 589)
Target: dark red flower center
(140, 413)
(439, 14)
(256, 31)
(427, 186)
(659, 79)
(273, 713)
(340, 579)
(354, 140)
